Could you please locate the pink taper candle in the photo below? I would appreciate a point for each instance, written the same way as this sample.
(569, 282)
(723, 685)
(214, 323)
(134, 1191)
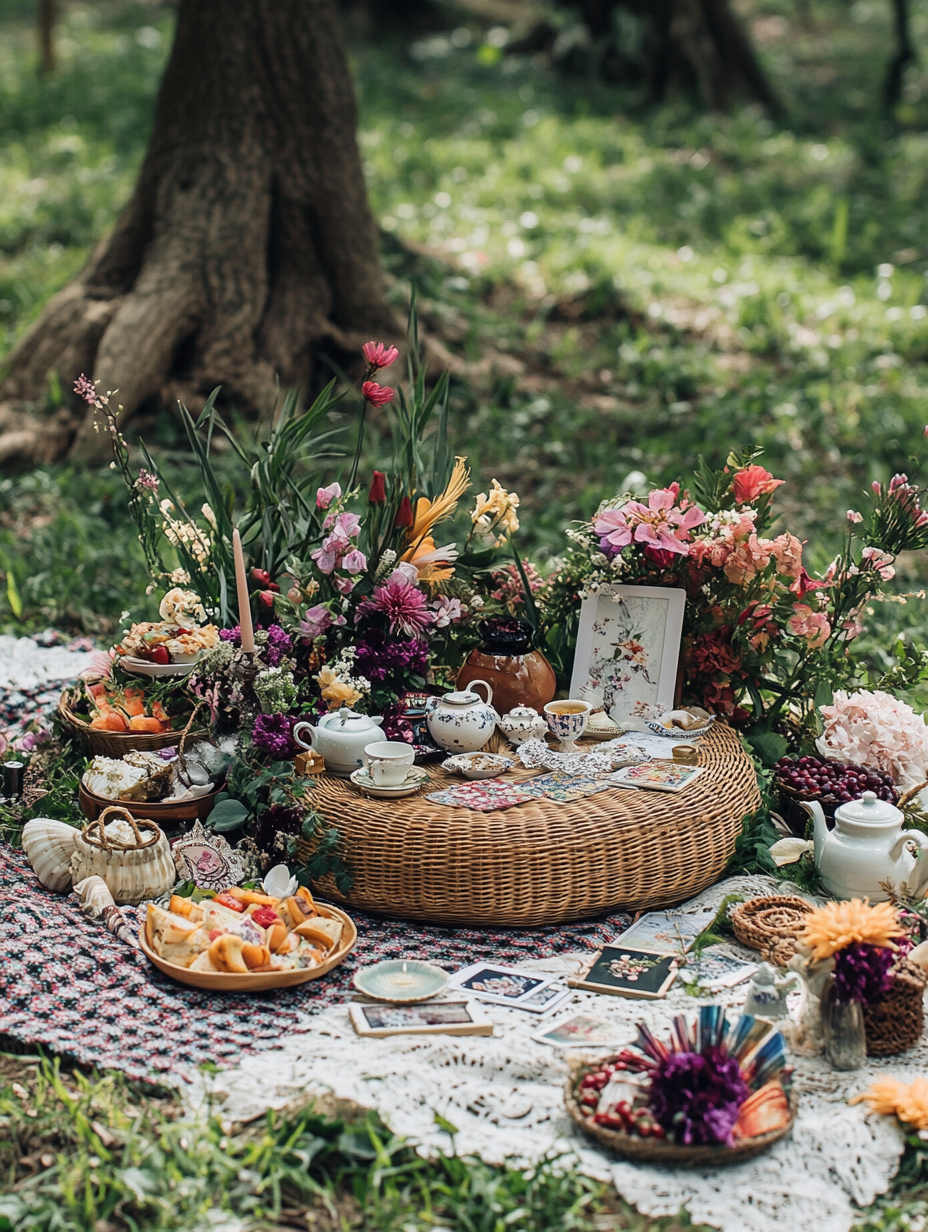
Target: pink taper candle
(244, 604)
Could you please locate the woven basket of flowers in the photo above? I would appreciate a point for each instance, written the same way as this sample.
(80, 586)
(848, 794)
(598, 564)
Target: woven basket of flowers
(715, 1093)
(895, 1022)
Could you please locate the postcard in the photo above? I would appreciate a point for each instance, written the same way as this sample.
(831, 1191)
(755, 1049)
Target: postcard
(717, 971)
(433, 1018)
(666, 932)
(624, 972)
(545, 999)
(485, 795)
(565, 787)
(657, 775)
(502, 985)
(581, 1031)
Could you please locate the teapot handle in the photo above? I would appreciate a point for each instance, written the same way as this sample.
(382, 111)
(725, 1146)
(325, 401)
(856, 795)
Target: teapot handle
(908, 836)
(309, 730)
(472, 685)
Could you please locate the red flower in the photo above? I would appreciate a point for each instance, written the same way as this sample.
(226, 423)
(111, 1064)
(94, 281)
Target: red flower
(714, 655)
(803, 584)
(752, 482)
(404, 514)
(262, 576)
(659, 556)
(377, 395)
(378, 492)
(266, 597)
(379, 355)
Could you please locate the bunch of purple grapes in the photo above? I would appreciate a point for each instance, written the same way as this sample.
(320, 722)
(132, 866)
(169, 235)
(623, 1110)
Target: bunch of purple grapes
(814, 778)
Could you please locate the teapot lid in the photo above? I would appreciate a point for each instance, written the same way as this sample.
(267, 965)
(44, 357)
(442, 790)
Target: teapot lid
(868, 809)
(347, 720)
(522, 712)
(463, 697)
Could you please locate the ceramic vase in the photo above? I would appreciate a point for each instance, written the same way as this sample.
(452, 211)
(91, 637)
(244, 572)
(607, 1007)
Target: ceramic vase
(520, 676)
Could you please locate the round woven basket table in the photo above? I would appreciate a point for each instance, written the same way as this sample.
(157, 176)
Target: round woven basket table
(541, 862)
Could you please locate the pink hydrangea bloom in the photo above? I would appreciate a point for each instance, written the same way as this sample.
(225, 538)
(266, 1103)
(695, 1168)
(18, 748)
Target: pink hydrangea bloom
(876, 729)
(659, 524)
(811, 625)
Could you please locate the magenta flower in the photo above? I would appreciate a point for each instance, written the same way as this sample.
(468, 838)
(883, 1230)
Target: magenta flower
(148, 481)
(355, 562)
(379, 355)
(377, 395)
(447, 611)
(343, 585)
(659, 524)
(325, 496)
(315, 622)
(84, 388)
(404, 605)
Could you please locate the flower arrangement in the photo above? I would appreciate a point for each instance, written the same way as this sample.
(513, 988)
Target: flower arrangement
(873, 728)
(763, 639)
(861, 941)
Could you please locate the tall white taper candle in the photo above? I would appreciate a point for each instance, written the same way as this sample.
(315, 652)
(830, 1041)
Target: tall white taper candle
(244, 604)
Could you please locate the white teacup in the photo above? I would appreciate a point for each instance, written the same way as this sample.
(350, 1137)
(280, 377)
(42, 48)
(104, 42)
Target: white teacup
(388, 761)
(567, 719)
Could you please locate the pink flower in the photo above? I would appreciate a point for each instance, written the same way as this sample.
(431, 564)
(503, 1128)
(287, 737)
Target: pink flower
(348, 523)
(880, 562)
(325, 496)
(875, 488)
(315, 622)
(84, 388)
(355, 562)
(813, 626)
(379, 355)
(377, 395)
(898, 481)
(343, 585)
(854, 517)
(752, 482)
(324, 556)
(787, 552)
(748, 558)
(447, 611)
(148, 481)
(404, 605)
(294, 594)
(266, 597)
(659, 524)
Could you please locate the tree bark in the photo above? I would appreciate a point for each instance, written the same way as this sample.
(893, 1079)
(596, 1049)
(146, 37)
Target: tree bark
(248, 243)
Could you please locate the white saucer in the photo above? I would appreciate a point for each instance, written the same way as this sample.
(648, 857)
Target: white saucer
(143, 667)
(416, 778)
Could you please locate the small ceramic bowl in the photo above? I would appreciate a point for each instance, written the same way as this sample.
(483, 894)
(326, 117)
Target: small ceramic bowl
(401, 981)
(478, 765)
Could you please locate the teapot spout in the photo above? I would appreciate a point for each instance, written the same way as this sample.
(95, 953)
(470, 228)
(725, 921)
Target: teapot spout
(820, 829)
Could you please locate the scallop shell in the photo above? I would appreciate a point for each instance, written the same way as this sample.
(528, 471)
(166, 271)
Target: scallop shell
(95, 896)
(49, 845)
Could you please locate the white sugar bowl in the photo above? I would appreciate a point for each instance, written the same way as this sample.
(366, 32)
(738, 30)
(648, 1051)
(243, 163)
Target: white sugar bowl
(462, 722)
(522, 723)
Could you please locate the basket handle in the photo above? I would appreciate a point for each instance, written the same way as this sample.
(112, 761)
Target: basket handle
(95, 833)
(182, 743)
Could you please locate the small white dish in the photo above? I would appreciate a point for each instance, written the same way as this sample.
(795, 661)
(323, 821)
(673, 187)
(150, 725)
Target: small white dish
(401, 981)
(142, 667)
(478, 765)
(414, 780)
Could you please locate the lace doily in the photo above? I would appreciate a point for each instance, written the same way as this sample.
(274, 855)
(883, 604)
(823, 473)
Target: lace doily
(504, 1095)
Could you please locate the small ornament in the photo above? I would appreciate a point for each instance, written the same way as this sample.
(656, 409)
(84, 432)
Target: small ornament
(309, 763)
(207, 860)
(767, 992)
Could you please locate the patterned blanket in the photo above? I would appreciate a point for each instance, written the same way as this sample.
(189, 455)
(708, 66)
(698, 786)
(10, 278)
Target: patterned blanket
(67, 984)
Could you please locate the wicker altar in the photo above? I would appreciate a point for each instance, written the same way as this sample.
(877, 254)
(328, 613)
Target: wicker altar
(542, 862)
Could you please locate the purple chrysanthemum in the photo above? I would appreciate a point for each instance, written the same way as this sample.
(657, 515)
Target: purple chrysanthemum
(273, 734)
(696, 1097)
(863, 972)
(279, 646)
(380, 657)
(233, 635)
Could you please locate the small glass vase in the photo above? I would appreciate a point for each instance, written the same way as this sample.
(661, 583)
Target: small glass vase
(843, 1029)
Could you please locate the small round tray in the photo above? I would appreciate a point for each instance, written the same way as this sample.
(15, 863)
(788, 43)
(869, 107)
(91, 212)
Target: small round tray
(659, 1150)
(261, 981)
(165, 813)
(385, 981)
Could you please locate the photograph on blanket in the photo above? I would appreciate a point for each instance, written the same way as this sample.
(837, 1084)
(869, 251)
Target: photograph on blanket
(440, 1018)
(502, 985)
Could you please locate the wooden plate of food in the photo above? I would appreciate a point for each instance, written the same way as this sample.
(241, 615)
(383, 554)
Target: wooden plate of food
(161, 925)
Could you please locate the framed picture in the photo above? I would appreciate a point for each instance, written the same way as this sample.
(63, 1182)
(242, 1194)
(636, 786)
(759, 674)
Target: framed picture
(436, 1018)
(624, 972)
(582, 1031)
(666, 932)
(628, 645)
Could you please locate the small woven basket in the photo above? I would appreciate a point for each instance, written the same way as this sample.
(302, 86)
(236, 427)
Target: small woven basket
(895, 1024)
(771, 924)
(114, 744)
(659, 1150)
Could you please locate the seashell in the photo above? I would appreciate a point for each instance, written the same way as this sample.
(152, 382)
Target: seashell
(49, 845)
(95, 896)
(133, 857)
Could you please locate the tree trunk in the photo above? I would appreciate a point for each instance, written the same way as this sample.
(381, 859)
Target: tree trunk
(247, 245)
(47, 35)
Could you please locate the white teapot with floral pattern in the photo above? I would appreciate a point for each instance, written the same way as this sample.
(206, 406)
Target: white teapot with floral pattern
(462, 722)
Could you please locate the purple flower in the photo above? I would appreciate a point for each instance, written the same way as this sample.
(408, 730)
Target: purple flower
(233, 635)
(277, 819)
(355, 562)
(273, 734)
(315, 622)
(148, 481)
(863, 972)
(279, 646)
(696, 1097)
(84, 388)
(379, 657)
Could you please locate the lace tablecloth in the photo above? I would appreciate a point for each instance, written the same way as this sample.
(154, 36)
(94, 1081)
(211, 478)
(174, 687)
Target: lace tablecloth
(504, 1096)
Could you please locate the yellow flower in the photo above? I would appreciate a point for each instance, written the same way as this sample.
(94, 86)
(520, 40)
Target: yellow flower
(832, 927)
(890, 1097)
(495, 511)
(335, 692)
(430, 512)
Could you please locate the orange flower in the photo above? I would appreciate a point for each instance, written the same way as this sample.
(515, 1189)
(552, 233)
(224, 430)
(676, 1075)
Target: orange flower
(832, 927)
(752, 482)
(890, 1097)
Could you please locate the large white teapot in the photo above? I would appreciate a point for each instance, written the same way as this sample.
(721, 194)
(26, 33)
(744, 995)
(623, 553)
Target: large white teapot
(341, 738)
(866, 849)
(462, 722)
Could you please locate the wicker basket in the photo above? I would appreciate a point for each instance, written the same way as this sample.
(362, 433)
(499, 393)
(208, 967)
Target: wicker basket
(771, 925)
(115, 744)
(659, 1150)
(896, 1023)
(542, 862)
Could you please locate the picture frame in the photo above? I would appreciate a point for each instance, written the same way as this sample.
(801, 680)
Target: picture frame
(622, 971)
(425, 1018)
(628, 648)
(666, 932)
(498, 983)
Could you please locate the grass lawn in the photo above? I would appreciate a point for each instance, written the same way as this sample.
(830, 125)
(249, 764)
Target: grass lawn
(624, 291)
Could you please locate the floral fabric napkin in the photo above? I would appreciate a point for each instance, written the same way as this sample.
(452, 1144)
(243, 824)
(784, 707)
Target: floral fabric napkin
(565, 787)
(486, 795)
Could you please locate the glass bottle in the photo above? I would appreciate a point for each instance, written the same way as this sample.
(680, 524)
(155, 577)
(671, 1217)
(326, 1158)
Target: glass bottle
(843, 1028)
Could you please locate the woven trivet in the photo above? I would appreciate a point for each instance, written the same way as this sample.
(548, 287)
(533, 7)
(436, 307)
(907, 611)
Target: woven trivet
(761, 923)
(896, 1023)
